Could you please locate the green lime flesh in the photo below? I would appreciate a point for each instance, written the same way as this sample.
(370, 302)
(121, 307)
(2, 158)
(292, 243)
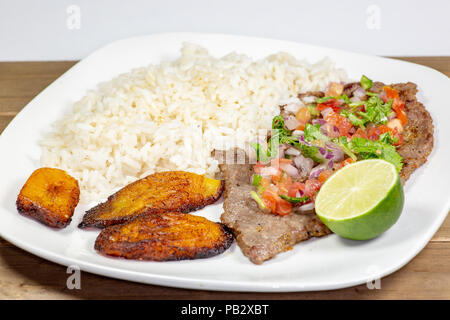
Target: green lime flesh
(362, 200)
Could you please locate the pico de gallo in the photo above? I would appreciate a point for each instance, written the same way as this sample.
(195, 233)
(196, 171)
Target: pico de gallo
(319, 134)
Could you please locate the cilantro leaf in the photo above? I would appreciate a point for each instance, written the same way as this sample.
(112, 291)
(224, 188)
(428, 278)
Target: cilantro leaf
(343, 143)
(353, 118)
(294, 199)
(313, 132)
(257, 180)
(324, 99)
(366, 83)
(369, 149)
(311, 152)
(376, 111)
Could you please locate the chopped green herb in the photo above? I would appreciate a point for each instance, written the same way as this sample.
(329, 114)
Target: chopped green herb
(313, 132)
(256, 180)
(294, 199)
(345, 98)
(366, 83)
(369, 149)
(353, 118)
(376, 110)
(322, 100)
(313, 110)
(343, 143)
(258, 199)
(311, 152)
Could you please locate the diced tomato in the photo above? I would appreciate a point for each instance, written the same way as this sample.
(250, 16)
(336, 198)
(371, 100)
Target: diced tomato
(335, 89)
(303, 115)
(401, 115)
(276, 177)
(276, 162)
(258, 166)
(264, 183)
(342, 123)
(342, 164)
(270, 199)
(347, 161)
(391, 93)
(332, 103)
(324, 175)
(397, 105)
(311, 187)
(374, 133)
(296, 187)
(301, 127)
(283, 207)
(361, 133)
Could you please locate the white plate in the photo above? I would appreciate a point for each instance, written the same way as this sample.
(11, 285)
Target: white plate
(318, 264)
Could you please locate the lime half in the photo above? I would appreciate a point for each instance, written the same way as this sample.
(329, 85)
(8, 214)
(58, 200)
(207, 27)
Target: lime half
(362, 200)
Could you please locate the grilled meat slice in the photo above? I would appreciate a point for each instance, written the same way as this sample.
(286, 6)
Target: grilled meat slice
(417, 133)
(50, 196)
(163, 237)
(260, 235)
(160, 192)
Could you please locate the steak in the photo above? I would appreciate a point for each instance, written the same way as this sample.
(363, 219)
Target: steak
(261, 235)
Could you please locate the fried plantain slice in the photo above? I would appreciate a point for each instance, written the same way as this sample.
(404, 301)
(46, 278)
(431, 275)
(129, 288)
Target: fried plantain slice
(160, 192)
(164, 237)
(50, 196)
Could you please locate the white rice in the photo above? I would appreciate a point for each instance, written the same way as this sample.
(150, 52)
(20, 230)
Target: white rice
(171, 116)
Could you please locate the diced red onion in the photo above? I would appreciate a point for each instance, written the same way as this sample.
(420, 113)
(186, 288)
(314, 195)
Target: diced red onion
(281, 150)
(318, 121)
(291, 123)
(293, 106)
(360, 93)
(307, 207)
(330, 130)
(330, 164)
(317, 170)
(309, 99)
(304, 165)
(290, 170)
(269, 171)
(299, 193)
(336, 151)
(325, 112)
(355, 99)
(292, 152)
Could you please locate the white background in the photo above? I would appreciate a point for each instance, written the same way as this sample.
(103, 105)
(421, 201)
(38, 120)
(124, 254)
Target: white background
(71, 29)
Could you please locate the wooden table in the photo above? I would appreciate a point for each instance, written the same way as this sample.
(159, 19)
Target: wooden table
(24, 276)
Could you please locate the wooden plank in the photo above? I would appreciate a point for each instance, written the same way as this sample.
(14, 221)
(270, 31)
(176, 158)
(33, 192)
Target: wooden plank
(25, 88)
(10, 106)
(4, 121)
(24, 276)
(21, 70)
(441, 64)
